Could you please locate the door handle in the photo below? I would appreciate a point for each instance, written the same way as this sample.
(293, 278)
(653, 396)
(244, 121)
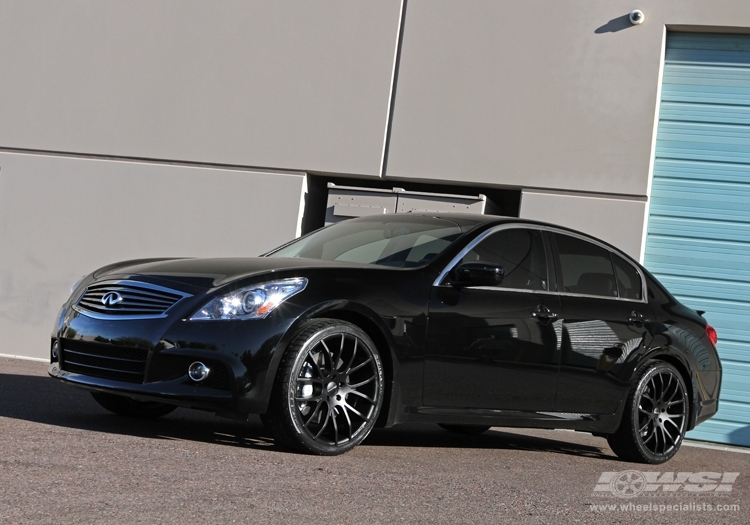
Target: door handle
(543, 313)
(636, 317)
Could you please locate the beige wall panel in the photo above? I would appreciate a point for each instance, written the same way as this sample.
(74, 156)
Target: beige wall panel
(614, 220)
(282, 84)
(526, 94)
(61, 218)
(545, 94)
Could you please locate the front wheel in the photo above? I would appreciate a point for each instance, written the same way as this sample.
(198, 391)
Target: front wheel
(655, 418)
(126, 406)
(328, 390)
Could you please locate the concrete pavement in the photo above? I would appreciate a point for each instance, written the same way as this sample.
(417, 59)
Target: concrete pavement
(63, 459)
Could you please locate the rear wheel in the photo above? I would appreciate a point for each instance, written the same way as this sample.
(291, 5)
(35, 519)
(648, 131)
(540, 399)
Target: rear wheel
(473, 430)
(126, 406)
(655, 418)
(328, 390)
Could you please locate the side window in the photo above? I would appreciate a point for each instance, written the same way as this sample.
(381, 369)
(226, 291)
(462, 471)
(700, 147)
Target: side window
(585, 267)
(628, 279)
(521, 254)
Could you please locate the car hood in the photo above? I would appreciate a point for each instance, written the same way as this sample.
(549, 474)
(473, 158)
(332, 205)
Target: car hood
(212, 273)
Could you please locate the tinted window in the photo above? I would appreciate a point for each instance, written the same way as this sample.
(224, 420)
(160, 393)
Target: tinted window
(389, 241)
(585, 267)
(521, 254)
(628, 279)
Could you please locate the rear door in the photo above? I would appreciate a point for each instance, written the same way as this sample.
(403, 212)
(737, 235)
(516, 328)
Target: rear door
(604, 314)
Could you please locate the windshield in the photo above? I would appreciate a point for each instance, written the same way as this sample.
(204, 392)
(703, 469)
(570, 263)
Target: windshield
(386, 241)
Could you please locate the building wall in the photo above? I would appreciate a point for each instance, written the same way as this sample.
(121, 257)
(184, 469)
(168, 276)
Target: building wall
(533, 93)
(283, 84)
(618, 220)
(557, 98)
(537, 94)
(202, 119)
(63, 217)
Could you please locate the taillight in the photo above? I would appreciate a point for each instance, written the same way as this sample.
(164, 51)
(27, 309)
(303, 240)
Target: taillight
(712, 335)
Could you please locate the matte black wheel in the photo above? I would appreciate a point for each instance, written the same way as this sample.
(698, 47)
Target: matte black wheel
(126, 406)
(655, 418)
(329, 389)
(473, 430)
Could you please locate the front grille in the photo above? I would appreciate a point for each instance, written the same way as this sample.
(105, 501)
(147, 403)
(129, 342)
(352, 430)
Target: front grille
(127, 300)
(102, 360)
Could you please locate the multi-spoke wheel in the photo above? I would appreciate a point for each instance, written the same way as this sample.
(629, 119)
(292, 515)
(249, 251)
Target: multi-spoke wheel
(655, 418)
(329, 389)
(126, 406)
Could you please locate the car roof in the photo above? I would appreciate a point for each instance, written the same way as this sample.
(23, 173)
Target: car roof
(473, 220)
(476, 219)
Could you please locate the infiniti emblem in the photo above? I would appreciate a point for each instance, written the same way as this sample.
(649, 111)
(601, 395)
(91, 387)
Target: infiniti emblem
(111, 299)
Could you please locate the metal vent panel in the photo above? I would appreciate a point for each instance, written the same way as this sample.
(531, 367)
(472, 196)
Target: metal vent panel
(125, 300)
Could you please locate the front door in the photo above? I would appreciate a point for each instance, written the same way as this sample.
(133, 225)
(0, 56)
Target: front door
(496, 347)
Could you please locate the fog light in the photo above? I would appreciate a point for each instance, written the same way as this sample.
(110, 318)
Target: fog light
(55, 350)
(198, 371)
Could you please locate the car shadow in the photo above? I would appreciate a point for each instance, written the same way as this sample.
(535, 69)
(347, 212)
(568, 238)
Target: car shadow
(43, 400)
(421, 435)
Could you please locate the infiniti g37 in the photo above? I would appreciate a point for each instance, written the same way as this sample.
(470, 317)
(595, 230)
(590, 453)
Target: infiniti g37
(467, 321)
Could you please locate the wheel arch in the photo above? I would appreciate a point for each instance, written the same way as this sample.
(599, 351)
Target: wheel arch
(670, 356)
(627, 440)
(382, 344)
(361, 318)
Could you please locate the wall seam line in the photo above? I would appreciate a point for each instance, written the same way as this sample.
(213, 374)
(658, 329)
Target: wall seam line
(392, 94)
(655, 132)
(151, 160)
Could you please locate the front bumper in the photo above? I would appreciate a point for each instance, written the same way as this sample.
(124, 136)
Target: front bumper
(149, 359)
(174, 392)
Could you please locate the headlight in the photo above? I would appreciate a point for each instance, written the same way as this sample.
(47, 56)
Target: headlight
(253, 302)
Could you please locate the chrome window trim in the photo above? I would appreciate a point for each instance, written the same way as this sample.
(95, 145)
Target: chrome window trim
(550, 229)
(573, 294)
(480, 238)
(501, 289)
(136, 284)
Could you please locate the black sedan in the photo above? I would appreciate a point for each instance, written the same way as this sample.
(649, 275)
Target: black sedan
(467, 321)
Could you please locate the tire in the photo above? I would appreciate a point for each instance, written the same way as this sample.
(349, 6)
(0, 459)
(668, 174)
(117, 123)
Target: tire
(125, 406)
(328, 390)
(473, 430)
(655, 417)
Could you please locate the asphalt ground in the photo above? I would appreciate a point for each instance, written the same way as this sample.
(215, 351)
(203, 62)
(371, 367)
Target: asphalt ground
(63, 459)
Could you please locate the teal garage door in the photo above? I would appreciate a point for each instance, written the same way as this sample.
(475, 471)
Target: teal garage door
(698, 240)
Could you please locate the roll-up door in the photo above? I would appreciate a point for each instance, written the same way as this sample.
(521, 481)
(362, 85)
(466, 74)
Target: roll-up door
(698, 240)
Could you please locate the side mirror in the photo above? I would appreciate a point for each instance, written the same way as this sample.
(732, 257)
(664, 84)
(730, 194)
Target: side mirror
(478, 274)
